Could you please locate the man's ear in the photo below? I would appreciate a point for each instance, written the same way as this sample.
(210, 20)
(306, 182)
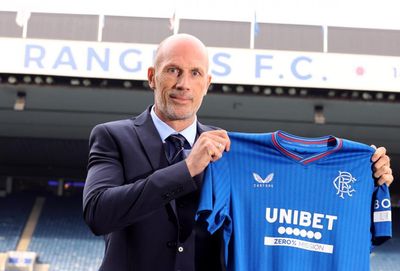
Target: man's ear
(150, 77)
(208, 84)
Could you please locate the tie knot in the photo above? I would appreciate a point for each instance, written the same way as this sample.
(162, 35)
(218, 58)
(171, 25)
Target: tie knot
(176, 143)
(179, 141)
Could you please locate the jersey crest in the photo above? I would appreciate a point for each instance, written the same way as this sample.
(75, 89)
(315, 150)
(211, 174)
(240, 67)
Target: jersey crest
(344, 184)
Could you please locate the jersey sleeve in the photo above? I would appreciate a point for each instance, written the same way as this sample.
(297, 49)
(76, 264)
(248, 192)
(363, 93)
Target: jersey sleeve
(214, 199)
(382, 215)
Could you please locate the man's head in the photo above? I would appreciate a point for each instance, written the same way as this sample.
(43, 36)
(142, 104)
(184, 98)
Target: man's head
(179, 79)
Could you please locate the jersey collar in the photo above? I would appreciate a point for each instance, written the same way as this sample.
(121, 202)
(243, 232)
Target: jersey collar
(317, 148)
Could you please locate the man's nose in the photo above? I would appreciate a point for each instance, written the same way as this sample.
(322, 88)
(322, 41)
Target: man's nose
(183, 81)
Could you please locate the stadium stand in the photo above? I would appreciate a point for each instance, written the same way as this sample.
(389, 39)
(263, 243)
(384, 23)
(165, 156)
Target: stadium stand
(61, 238)
(63, 242)
(14, 213)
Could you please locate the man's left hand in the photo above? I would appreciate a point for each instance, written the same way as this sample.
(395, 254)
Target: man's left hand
(381, 167)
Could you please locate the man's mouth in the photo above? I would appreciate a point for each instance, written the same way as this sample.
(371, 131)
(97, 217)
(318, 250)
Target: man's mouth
(180, 98)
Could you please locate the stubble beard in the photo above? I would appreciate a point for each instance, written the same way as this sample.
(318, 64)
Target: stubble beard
(172, 114)
(169, 112)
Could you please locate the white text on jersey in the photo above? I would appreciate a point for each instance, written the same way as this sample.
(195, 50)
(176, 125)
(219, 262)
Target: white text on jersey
(301, 218)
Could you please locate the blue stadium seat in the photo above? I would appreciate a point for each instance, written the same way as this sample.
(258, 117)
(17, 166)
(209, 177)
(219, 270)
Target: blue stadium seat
(14, 212)
(63, 240)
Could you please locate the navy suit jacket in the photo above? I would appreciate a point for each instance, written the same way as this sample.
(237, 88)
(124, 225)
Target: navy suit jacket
(143, 206)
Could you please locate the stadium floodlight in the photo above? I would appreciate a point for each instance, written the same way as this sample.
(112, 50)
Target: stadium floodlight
(145, 84)
(292, 91)
(239, 89)
(27, 79)
(379, 96)
(279, 91)
(12, 80)
(391, 97)
(303, 92)
(75, 82)
(38, 80)
(366, 96)
(86, 82)
(331, 93)
(255, 89)
(103, 83)
(127, 84)
(267, 91)
(49, 80)
(226, 88)
(355, 94)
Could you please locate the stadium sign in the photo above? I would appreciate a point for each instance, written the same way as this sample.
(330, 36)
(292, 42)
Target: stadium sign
(228, 65)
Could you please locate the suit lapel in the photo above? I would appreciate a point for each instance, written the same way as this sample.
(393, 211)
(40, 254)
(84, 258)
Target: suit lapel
(150, 140)
(154, 149)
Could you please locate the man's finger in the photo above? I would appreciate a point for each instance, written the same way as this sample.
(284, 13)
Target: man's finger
(383, 161)
(381, 151)
(386, 178)
(382, 171)
(218, 136)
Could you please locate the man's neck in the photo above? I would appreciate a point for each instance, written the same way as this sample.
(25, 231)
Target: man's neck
(164, 129)
(177, 125)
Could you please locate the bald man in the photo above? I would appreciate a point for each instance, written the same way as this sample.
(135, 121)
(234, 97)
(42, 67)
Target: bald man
(143, 204)
(141, 201)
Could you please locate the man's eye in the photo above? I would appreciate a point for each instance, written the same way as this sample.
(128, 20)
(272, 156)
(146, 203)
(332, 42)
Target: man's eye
(195, 73)
(173, 70)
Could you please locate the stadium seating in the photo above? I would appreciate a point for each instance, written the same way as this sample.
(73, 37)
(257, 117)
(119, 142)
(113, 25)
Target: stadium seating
(14, 212)
(62, 239)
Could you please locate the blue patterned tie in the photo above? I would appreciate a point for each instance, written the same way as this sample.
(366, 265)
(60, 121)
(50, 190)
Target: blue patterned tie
(175, 146)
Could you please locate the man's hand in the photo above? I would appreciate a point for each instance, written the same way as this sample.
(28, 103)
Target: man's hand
(381, 167)
(209, 147)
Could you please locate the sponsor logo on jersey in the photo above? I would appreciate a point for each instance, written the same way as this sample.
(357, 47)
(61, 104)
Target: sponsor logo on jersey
(301, 218)
(382, 210)
(344, 184)
(294, 224)
(260, 182)
(290, 242)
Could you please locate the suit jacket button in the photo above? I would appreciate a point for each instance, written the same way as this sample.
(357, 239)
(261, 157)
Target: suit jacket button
(180, 249)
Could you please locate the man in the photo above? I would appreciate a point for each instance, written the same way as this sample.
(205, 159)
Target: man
(143, 204)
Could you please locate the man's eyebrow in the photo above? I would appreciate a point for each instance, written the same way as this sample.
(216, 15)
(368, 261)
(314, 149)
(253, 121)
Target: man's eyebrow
(195, 68)
(171, 65)
(199, 69)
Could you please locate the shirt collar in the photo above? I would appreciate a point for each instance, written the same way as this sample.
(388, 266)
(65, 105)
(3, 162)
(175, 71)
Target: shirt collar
(165, 130)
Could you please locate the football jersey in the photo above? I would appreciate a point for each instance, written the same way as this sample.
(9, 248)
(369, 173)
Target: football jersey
(290, 203)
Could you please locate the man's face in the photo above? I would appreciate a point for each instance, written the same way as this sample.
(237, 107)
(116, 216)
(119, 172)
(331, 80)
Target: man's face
(180, 80)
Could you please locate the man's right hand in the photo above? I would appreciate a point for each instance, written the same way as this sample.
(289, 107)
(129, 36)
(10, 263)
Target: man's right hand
(209, 147)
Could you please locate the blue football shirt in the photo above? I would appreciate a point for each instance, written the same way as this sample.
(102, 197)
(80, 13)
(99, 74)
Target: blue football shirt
(290, 203)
